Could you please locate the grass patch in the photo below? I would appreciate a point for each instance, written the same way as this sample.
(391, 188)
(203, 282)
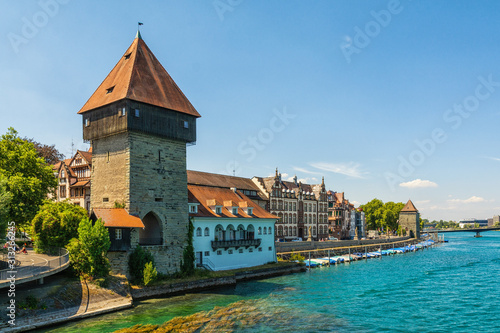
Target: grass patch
(202, 274)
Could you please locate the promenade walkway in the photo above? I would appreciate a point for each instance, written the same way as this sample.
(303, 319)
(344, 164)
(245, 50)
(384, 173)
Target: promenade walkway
(34, 266)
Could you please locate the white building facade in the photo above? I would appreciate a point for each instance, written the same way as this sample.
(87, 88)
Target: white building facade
(231, 243)
(230, 230)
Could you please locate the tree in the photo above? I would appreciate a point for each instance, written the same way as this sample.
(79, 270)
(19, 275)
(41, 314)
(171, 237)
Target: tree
(188, 258)
(88, 252)
(55, 224)
(373, 214)
(382, 216)
(28, 177)
(49, 153)
(5, 199)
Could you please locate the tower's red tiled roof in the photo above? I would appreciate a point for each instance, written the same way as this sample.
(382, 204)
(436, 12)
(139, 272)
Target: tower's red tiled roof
(139, 76)
(409, 207)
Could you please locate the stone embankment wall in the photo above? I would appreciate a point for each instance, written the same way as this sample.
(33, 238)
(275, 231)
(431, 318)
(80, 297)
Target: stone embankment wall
(307, 246)
(169, 289)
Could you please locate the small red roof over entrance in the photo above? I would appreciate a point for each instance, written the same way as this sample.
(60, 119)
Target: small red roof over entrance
(117, 217)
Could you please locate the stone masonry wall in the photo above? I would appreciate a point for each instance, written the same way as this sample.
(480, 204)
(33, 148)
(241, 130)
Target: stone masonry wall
(158, 184)
(411, 221)
(110, 171)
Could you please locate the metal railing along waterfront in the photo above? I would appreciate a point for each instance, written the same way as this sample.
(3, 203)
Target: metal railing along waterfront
(23, 272)
(342, 250)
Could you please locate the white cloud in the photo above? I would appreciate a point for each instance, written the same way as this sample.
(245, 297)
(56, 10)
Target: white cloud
(350, 169)
(306, 171)
(493, 158)
(418, 183)
(473, 199)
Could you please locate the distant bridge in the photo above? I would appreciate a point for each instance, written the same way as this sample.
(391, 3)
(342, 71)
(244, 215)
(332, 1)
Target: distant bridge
(476, 230)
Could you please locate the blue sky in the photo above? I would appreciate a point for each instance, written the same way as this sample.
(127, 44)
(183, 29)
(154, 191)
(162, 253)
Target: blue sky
(385, 99)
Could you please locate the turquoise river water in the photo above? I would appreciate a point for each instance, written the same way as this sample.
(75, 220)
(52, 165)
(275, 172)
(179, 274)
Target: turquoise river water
(452, 287)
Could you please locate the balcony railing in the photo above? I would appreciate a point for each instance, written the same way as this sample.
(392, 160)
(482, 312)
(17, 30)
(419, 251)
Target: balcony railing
(236, 243)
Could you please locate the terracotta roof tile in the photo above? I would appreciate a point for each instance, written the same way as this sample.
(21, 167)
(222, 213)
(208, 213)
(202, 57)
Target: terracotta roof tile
(409, 207)
(216, 180)
(139, 76)
(81, 183)
(117, 217)
(206, 195)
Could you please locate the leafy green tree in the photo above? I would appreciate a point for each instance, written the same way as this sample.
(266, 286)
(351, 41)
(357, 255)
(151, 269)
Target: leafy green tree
(382, 216)
(373, 214)
(5, 200)
(28, 177)
(88, 252)
(56, 224)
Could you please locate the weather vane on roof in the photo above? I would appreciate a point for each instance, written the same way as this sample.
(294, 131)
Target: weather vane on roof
(139, 30)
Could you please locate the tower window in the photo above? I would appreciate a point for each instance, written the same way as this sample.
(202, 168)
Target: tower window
(118, 234)
(186, 124)
(127, 56)
(110, 90)
(87, 122)
(105, 199)
(122, 111)
(159, 199)
(136, 113)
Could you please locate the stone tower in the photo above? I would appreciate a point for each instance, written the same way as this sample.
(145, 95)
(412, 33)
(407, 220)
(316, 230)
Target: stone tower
(139, 122)
(409, 219)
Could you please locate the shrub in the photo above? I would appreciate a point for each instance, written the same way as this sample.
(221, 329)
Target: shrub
(150, 273)
(88, 252)
(298, 257)
(137, 261)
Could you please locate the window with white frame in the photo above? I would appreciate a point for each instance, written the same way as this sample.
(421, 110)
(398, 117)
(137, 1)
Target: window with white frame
(193, 208)
(118, 234)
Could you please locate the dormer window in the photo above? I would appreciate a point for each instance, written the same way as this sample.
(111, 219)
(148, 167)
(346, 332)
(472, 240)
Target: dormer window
(235, 210)
(127, 56)
(110, 90)
(193, 208)
(218, 209)
(249, 210)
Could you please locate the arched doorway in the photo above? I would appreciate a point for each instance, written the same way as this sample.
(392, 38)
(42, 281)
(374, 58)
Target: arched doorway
(152, 233)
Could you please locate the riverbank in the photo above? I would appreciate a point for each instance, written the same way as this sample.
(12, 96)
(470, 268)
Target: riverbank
(222, 279)
(64, 299)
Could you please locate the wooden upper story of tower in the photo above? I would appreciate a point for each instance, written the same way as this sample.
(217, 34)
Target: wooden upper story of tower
(139, 95)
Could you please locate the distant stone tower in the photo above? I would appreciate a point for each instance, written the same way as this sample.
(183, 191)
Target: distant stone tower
(409, 219)
(139, 122)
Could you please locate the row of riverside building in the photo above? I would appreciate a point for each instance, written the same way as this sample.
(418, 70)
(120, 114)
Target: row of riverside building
(138, 123)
